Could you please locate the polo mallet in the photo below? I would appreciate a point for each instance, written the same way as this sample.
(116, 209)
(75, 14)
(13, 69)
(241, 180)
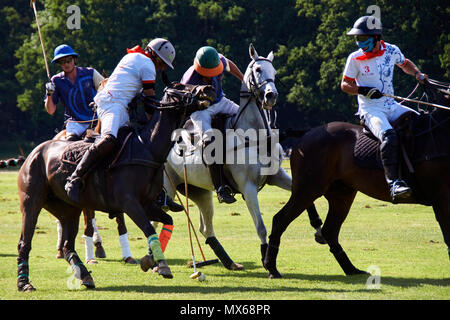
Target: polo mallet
(416, 101)
(33, 5)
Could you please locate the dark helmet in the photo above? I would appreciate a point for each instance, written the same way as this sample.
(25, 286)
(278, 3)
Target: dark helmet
(366, 25)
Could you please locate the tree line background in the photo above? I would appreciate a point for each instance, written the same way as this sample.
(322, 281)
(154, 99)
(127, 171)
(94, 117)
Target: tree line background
(307, 36)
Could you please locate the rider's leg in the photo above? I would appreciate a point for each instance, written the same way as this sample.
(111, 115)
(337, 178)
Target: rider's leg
(223, 191)
(94, 154)
(378, 123)
(113, 116)
(389, 150)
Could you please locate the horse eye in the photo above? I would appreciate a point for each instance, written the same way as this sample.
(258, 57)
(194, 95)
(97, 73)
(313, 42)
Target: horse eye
(258, 69)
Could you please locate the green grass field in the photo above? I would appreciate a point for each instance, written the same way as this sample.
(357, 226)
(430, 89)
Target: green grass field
(403, 242)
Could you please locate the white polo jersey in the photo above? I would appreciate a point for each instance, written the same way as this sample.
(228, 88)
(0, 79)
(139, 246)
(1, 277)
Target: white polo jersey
(377, 72)
(134, 70)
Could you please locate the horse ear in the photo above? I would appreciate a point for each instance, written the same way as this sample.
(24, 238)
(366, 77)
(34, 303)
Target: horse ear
(270, 56)
(252, 52)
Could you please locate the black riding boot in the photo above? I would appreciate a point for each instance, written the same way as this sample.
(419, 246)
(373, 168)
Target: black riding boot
(166, 203)
(223, 191)
(389, 157)
(94, 154)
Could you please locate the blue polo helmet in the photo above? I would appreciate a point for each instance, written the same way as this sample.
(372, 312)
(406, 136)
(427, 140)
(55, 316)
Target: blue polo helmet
(62, 51)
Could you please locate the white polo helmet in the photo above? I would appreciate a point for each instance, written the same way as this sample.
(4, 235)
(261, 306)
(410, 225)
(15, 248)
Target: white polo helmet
(164, 49)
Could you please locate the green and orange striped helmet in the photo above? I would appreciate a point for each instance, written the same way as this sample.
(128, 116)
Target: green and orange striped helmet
(207, 62)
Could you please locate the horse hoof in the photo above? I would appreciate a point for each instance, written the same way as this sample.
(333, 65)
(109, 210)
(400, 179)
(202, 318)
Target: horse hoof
(88, 282)
(236, 267)
(356, 272)
(92, 261)
(275, 275)
(164, 270)
(130, 260)
(319, 238)
(60, 254)
(27, 288)
(147, 262)
(99, 251)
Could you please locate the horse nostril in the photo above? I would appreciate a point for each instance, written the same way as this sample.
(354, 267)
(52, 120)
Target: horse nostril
(271, 95)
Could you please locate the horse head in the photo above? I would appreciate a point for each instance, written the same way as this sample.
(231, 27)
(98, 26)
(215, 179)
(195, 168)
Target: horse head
(259, 79)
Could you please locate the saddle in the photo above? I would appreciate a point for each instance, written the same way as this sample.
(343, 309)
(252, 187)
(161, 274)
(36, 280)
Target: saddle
(366, 153)
(74, 151)
(419, 141)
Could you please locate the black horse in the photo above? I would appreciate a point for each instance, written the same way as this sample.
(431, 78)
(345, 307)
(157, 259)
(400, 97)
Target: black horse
(130, 185)
(323, 163)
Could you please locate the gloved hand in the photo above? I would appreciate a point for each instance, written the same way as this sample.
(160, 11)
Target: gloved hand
(50, 88)
(369, 92)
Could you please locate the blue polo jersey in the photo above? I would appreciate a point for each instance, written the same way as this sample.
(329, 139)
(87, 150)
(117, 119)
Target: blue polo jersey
(75, 97)
(193, 77)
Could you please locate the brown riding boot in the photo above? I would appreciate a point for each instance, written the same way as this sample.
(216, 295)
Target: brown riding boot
(224, 193)
(94, 154)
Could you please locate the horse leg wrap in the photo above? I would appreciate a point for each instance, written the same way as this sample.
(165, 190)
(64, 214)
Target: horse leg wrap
(219, 251)
(79, 270)
(165, 235)
(154, 248)
(22, 273)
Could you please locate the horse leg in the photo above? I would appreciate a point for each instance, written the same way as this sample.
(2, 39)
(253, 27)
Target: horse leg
(316, 223)
(282, 180)
(88, 216)
(137, 213)
(70, 230)
(340, 199)
(442, 212)
(29, 222)
(250, 194)
(204, 200)
(99, 250)
(291, 210)
(59, 242)
(123, 240)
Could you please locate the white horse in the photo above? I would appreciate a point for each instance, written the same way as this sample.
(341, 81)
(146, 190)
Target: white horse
(258, 94)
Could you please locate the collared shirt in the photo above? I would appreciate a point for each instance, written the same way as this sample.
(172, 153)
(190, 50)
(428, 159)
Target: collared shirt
(193, 77)
(76, 96)
(127, 79)
(377, 72)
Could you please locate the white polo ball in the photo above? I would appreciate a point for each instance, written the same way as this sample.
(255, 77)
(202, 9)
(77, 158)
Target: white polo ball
(202, 277)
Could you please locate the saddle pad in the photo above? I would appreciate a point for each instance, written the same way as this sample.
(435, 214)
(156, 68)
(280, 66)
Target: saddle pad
(74, 152)
(366, 152)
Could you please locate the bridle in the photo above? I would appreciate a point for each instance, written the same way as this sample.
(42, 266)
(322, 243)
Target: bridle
(254, 93)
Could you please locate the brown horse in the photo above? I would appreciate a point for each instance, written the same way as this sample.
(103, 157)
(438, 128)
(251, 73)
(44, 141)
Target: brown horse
(132, 184)
(322, 163)
(88, 216)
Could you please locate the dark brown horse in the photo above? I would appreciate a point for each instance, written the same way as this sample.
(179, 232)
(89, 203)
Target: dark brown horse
(322, 163)
(133, 183)
(89, 215)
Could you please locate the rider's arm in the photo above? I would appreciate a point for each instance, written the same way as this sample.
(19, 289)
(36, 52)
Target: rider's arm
(349, 86)
(410, 68)
(234, 70)
(49, 105)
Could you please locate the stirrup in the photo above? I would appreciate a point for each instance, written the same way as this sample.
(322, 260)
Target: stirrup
(400, 191)
(225, 194)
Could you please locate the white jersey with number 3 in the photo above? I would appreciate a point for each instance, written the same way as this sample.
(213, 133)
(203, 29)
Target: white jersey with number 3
(377, 72)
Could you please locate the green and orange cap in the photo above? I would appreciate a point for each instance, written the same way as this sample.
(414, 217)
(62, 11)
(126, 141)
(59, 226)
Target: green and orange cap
(207, 62)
